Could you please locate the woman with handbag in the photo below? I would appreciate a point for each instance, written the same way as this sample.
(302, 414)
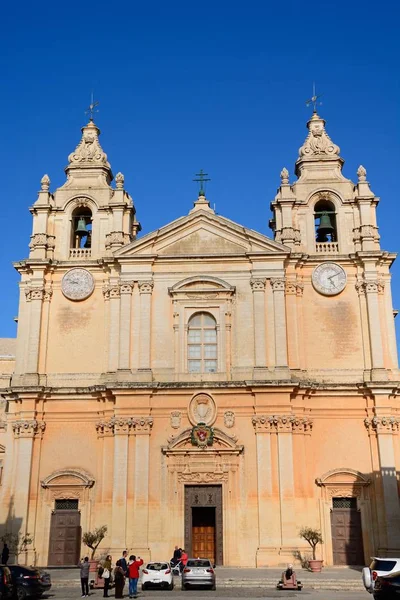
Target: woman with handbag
(106, 575)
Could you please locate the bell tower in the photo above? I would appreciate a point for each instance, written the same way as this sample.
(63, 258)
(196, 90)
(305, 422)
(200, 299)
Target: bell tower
(330, 224)
(86, 218)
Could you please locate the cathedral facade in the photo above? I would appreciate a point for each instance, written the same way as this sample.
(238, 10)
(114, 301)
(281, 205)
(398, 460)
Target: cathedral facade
(203, 385)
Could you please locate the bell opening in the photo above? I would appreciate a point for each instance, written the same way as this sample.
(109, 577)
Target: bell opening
(325, 222)
(81, 230)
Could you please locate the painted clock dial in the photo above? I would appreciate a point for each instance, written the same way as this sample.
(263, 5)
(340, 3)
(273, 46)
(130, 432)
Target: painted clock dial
(329, 279)
(77, 284)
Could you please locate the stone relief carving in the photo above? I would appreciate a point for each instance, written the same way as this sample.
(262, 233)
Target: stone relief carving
(282, 423)
(39, 293)
(45, 183)
(176, 419)
(28, 428)
(89, 150)
(388, 424)
(119, 181)
(42, 240)
(318, 141)
(257, 285)
(126, 287)
(111, 291)
(229, 418)
(202, 409)
(366, 286)
(116, 238)
(199, 477)
(290, 235)
(284, 175)
(124, 425)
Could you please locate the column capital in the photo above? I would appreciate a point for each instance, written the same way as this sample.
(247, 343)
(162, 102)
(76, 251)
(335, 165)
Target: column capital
(124, 426)
(370, 286)
(282, 424)
(28, 428)
(278, 285)
(382, 425)
(42, 241)
(146, 287)
(257, 284)
(126, 287)
(38, 293)
(111, 291)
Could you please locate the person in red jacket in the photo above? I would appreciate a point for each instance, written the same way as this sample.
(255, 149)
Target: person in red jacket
(133, 573)
(184, 559)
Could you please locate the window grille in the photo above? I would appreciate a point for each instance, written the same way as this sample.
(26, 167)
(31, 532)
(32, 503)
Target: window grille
(68, 504)
(345, 503)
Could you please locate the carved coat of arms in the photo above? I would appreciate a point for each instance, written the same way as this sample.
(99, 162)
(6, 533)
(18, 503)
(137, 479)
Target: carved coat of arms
(202, 435)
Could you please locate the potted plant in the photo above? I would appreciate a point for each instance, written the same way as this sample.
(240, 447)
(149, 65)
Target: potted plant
(93, 539)
(313, 537)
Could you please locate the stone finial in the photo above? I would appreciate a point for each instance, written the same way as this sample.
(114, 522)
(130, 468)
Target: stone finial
(284, 175)
(119, 181)
(318, 143)
(45, 183)
(362, 173)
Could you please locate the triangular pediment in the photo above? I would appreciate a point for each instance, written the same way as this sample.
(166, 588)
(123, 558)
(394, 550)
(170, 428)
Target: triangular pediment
(202, 234)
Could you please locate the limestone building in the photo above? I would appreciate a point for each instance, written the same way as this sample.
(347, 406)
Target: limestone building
(203, 384)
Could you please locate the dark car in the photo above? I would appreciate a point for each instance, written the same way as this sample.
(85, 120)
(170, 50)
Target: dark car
(6, 586)
(387, 587)
(29, 582)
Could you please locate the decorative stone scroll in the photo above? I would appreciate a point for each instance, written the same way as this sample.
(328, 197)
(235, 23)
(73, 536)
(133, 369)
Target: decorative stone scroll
(116, 238)
(290, 235)
(367, 286)
(89, 151)
(126, 287)
(28, 428)
(282, 424)
(124, 425)
(388, 424)
(111, 291)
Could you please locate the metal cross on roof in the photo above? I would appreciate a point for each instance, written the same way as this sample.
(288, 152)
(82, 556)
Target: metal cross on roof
(201, 178)
(92, 108)
(314, 100)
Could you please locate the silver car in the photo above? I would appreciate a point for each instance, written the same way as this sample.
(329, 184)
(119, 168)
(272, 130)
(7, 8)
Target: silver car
(198, 571)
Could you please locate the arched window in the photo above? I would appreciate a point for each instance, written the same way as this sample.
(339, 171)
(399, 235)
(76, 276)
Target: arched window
(325, 222)
(81, 233)
(202, 344)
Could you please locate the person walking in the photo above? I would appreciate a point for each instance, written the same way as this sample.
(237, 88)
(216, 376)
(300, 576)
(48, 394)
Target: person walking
(5, 554)
(119, 579)
(133, 568)
(84, 567)
(106, 575)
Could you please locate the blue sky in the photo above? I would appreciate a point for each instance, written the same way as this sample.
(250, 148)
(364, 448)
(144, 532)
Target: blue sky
(182, 86)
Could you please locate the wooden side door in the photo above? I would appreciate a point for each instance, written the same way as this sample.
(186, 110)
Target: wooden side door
(347, 537)
(203, 542)
(65, 537)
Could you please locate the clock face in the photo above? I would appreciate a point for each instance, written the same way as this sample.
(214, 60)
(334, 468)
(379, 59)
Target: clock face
(77, 284)
(329, 279)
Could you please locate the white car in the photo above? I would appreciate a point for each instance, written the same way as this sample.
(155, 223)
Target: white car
(378, 568)
(157, 574)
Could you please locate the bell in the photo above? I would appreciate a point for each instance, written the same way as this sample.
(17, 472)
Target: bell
(81, 227)
(325, 226)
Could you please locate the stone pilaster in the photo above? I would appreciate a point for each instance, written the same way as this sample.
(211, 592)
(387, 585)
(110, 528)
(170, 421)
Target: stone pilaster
(112, 294)
(145, 290)
(140, 534)
(35, 297)
(372, 288)
(126, 289)
(281, 359)
(385, 428)
(258, 289)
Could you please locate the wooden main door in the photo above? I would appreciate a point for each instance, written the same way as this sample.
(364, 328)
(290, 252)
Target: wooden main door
(65, 537)
(346, 532)
(203, 522)
(203, 533)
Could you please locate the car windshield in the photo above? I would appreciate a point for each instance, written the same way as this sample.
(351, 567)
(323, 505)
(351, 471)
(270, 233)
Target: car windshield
(157, 566)
(382, 565)
(198, 563)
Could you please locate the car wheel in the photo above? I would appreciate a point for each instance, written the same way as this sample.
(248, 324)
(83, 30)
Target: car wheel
(21, 593)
